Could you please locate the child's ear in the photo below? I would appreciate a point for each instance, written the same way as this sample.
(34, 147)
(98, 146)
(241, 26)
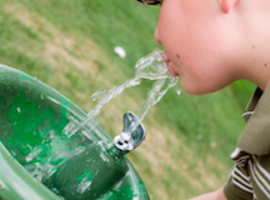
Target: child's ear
(226, 5)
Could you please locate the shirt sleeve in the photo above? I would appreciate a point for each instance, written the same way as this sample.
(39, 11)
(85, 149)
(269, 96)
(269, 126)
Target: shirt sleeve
(238, 186)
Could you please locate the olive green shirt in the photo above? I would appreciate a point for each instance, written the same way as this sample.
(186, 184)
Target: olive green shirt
(250, 177)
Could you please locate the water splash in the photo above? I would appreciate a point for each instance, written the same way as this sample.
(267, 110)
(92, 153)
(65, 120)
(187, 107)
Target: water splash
(36, 151)
(150, 67)
(40, 171)
(85, 179)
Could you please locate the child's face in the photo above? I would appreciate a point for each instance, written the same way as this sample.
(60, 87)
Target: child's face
(197, 41)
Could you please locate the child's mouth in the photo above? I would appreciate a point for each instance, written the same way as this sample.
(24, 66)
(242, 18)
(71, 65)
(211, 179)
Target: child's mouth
(168, 64)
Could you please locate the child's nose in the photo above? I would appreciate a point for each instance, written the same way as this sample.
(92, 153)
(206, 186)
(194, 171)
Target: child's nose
(157, 37)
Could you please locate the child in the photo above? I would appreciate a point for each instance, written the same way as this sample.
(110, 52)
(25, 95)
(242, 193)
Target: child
(210, 44)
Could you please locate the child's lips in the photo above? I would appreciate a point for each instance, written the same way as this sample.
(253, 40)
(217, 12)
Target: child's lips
(168, 64)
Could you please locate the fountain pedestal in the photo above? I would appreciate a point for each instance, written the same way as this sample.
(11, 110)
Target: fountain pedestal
(33, 140)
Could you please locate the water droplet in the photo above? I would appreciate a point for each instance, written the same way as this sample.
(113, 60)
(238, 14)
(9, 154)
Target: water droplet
(19, 110)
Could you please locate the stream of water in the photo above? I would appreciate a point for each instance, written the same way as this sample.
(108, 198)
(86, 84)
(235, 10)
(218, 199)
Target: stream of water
(151, 67)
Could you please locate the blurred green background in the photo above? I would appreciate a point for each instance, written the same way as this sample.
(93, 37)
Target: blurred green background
(70, 46)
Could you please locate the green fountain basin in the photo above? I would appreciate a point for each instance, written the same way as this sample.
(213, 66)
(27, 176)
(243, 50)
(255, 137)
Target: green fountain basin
(34, 142)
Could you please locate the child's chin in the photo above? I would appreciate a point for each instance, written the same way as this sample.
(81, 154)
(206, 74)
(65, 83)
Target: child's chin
(194, 90)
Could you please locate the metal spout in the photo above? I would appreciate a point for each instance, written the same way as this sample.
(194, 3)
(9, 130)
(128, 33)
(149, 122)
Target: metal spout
(132, 135)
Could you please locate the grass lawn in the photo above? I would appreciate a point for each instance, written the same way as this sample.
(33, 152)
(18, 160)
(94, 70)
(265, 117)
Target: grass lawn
(69, 45)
